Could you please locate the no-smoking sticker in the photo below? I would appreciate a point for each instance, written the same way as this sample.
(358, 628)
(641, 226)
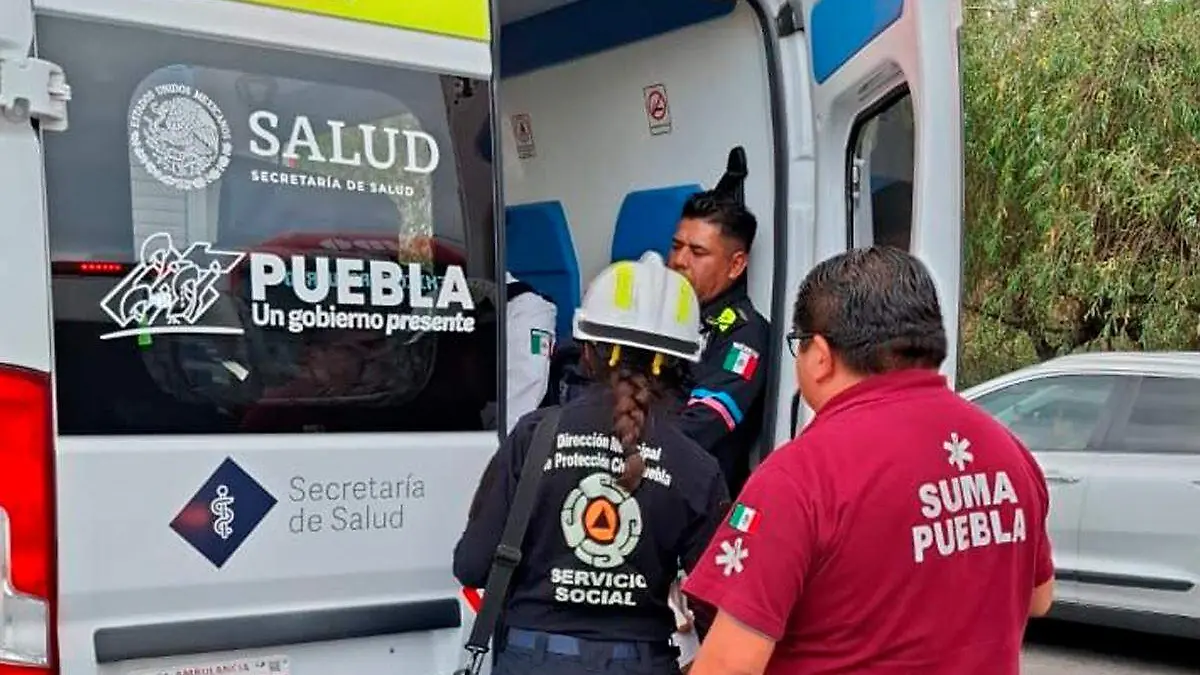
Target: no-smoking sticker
(658, 111)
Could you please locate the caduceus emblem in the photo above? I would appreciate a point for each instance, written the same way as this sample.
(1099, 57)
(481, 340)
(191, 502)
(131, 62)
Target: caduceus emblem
(222, 507)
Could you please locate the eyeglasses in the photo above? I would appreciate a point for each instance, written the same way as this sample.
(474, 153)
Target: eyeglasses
(794, 338)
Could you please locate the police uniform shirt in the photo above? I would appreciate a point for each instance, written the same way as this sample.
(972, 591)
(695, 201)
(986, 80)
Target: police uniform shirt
(598, 563)
(531, 327)
(725, 409)
(903, 530)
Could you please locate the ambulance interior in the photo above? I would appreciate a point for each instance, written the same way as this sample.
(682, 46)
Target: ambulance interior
(594, 182)
(591, 175)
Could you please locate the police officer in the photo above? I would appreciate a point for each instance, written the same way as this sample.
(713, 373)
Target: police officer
(625, 502)
(711, 247)
(531, 319)
(904, 530)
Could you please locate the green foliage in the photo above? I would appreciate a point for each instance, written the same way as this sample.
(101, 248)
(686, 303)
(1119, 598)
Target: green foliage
(1082, 180)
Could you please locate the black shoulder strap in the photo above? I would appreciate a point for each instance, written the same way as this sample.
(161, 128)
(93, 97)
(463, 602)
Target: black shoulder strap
(508, 553)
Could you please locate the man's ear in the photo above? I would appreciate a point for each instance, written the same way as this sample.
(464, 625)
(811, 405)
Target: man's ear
(820, 363)
(738, 262)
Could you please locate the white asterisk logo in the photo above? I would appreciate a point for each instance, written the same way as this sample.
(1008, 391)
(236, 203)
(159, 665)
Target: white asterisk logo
(732, 556)
(960, 456)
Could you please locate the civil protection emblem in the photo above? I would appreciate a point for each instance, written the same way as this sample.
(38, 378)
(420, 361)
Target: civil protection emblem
(601, 522)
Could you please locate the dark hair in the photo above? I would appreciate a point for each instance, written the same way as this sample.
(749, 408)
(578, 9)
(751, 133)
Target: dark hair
(635, 390)
(735, 221)
(878, 309)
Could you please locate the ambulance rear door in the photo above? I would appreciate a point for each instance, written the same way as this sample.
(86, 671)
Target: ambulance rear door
(31, 92)
(273, 314)
(885, 152)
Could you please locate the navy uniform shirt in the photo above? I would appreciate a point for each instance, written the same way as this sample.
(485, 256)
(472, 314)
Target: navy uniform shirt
(724, 412)
(598, 563)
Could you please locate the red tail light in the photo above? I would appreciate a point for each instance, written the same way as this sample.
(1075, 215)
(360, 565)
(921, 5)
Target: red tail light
(90, 268)
(27, 538)
(102, 268)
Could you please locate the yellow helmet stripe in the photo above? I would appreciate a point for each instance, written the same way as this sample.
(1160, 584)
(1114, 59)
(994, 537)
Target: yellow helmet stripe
(683, 304)
(623, 286)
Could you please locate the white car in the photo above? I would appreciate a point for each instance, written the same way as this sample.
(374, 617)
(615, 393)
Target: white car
(1118, 436)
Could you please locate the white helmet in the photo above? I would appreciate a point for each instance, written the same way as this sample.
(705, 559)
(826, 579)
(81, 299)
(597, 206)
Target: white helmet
(642, 304)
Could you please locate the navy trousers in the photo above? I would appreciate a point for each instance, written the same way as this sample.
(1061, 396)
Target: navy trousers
(536, 653)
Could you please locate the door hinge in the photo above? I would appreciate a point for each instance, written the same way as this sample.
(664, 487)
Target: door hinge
(856, 172)
(33, 89)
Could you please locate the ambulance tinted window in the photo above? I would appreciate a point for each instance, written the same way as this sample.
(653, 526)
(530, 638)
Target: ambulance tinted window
(881, 180)
(248, 240)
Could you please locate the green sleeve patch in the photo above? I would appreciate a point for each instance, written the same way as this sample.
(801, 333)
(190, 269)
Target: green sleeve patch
(728, 318)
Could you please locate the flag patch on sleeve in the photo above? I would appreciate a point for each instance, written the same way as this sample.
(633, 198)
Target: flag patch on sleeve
(743, 518)
(540, 342)
(741, 360)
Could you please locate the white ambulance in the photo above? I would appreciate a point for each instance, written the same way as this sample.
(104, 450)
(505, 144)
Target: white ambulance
(250, 253)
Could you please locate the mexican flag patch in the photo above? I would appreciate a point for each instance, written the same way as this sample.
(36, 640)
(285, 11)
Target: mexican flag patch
(741, 360)
(743, 518)
(540, 342)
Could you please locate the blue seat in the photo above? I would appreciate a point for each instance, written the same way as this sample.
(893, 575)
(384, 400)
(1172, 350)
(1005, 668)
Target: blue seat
(540, 252)
(647, 220)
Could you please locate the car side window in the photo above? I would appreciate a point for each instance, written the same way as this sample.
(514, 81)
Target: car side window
(1165, 417)
(1052, 413)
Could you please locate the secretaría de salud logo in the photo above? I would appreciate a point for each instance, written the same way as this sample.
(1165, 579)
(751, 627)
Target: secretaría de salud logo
(223, 512)
(180, 136)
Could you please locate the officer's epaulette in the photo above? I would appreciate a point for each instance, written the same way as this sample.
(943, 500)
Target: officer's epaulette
(727, 318)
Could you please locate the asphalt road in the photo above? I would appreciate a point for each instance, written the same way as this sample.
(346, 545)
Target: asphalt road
(1056, 648)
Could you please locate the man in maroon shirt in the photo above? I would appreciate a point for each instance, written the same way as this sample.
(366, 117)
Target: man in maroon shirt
(904, 530)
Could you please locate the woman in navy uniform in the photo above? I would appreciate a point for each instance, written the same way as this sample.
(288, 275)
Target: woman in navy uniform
(626, 501)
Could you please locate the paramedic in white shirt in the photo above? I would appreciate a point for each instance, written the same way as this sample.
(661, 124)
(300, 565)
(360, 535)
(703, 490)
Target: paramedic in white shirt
(531, 320)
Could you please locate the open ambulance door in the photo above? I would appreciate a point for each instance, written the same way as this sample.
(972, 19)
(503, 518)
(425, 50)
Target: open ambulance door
(187, 488)
(886, 150)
